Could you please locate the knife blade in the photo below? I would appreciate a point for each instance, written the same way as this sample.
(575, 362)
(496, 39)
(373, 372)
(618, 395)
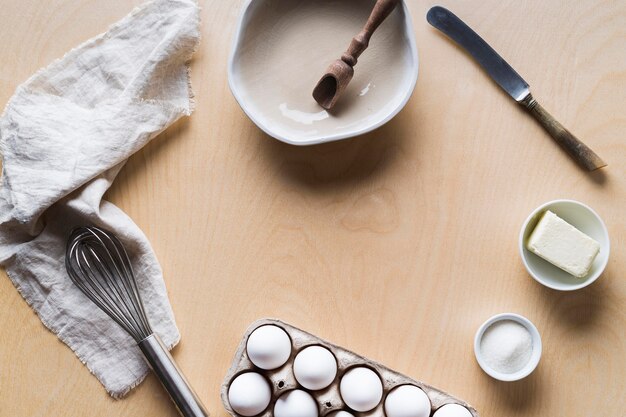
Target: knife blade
(512, 83)
(501, 72)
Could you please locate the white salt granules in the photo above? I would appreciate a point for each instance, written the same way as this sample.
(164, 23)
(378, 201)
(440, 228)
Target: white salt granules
(506, 346)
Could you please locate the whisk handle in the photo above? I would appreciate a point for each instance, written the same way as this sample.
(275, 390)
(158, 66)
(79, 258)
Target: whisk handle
(173, 380)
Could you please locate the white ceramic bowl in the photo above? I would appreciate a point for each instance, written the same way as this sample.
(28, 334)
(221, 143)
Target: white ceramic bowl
(584, 219)
(534, 358)
(283, 47)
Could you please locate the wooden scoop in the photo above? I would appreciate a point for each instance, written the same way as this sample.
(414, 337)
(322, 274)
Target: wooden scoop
(340, 72)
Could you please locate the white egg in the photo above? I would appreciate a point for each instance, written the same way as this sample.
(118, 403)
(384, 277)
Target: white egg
(249, 394)
(452, 410)
(315, 367)
(340, 414)
(361, 389)
(296, 403)
(407, 401)
(269, 347)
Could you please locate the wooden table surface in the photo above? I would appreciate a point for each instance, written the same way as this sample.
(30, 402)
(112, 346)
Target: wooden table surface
(396, 245)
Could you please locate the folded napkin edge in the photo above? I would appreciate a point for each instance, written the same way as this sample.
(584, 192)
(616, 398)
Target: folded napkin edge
(99, 37)
(114, 394)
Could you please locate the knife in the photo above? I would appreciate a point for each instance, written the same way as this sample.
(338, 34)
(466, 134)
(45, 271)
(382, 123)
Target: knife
(511, 82)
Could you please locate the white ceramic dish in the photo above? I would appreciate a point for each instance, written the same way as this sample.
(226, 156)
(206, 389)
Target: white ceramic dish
(282, 48)
(584, 219)
(534, 358)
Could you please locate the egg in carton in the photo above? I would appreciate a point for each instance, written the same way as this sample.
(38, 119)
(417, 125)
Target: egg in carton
(282, 371)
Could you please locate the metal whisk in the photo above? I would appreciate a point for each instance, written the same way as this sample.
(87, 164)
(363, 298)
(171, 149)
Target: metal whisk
(98, 264)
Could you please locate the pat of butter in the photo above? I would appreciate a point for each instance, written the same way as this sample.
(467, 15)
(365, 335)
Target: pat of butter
(564, 246)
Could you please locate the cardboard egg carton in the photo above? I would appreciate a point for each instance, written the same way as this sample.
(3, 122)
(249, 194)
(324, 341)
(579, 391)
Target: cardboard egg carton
(329, 399)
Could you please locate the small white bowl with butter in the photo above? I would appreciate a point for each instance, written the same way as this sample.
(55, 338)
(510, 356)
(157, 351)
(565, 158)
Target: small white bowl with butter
(563, 235)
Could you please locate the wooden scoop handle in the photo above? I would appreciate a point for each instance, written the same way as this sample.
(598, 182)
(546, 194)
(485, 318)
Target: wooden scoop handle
(359, 43)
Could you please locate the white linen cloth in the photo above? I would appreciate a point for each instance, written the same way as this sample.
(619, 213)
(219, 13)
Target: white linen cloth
(64, 136)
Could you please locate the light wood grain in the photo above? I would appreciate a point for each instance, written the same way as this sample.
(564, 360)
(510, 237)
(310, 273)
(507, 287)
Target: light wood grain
(397, 245)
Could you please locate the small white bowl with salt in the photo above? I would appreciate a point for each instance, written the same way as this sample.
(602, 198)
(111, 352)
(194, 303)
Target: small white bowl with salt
(507, 347)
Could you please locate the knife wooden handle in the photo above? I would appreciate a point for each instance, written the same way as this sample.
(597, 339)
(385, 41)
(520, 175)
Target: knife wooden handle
(580, 152)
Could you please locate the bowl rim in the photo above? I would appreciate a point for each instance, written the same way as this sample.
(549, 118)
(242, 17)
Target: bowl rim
(540, 279)
(410, 34)
(534, 359)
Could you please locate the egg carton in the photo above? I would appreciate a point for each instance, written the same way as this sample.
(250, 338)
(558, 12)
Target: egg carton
(328, 400)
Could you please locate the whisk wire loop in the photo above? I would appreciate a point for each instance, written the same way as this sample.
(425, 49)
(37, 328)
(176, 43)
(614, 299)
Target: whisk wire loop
(109, 289)
(116, 287)
(99, 265)
(94, 288)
